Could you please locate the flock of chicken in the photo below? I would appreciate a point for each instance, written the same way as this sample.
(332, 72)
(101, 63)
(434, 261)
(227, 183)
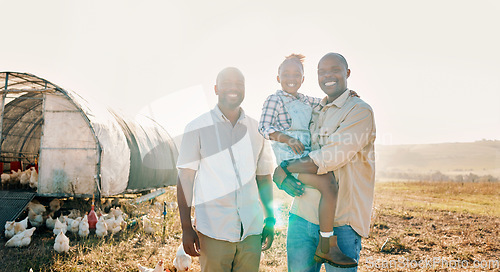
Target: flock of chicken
(25, 178)
(19, 234)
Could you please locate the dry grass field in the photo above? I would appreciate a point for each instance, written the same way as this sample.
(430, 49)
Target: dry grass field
(432, 226)
(416, 226)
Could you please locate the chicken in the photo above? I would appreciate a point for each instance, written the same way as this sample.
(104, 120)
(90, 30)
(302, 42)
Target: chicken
(55, 204)
(116, 211)
(63, 219)
(109, 222)
(14, 177)
(68, 221)
(36, 207)
(122, 222)
(83, 228)
(61, 243)
(36, 220)
(107, 216)
(75, 225)
(21, 239)
(147, 225)
(33, 179)
(50, 222)
(24, 179)
(158, 267)
(5, 179)
(115, 226)
(9, 229)
(101, 229)
(58, 226)
(74, 213)
(21, 226)
(182, 261)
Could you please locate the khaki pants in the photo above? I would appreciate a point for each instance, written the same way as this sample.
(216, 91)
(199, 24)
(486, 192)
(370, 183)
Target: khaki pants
(221, 256)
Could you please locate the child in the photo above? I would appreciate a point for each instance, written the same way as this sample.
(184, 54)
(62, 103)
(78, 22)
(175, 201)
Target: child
(285, 120)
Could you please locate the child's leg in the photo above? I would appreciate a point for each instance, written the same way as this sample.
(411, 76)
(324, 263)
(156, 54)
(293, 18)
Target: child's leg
(327, 186)
(328, 249)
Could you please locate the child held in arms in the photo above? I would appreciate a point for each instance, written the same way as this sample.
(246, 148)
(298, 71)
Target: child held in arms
(285, 119)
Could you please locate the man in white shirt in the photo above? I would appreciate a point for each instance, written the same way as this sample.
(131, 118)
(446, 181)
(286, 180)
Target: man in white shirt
(342, 139)
(225, 168)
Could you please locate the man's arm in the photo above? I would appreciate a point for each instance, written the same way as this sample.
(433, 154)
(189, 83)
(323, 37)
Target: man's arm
(185, 183)
(265, 186)
(352, 135)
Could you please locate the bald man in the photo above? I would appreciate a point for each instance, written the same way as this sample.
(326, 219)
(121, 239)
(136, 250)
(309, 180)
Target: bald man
(342, 139)
(225, 169)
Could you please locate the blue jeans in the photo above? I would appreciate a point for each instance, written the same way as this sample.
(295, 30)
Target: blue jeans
(302, 241)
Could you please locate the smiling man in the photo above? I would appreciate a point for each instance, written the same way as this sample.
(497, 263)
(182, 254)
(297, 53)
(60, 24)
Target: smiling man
(342, 140)
(227, 165)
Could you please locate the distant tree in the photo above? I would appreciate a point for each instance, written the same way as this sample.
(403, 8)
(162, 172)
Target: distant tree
(438, 176)
(471, 178)
(487, 178)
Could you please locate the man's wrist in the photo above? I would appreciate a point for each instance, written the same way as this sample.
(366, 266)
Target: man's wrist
(270, 221)
(187, 225)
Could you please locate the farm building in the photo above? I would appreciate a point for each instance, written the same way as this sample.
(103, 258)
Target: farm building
(79, 147)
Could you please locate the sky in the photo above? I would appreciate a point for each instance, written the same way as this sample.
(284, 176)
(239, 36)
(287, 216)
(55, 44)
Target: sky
(429, 69)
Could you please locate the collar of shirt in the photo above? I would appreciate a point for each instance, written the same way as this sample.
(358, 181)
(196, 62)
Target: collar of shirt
(222, 118)
(339, 102)
(300, 96)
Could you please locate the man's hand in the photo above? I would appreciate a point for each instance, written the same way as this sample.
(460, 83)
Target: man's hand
(267, 236)
(292, 186)
(191, 242)
(353, 93)
(289, 184)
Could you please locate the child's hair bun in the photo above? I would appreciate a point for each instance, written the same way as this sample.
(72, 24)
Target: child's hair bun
(294, 57)
(299, 57)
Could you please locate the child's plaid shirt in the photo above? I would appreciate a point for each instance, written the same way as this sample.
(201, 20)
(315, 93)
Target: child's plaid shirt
(274, 115)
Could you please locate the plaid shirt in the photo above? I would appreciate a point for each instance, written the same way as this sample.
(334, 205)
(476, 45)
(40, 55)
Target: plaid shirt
(274, 115)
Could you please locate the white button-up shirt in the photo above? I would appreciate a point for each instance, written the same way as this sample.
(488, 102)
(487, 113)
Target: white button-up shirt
(227, 160)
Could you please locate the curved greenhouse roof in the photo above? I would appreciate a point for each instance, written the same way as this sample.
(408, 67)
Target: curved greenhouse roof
(80, 147)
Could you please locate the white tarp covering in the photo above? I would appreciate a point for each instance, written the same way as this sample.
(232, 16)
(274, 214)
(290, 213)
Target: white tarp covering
(68, 151)
(69, 159)
(115, 155)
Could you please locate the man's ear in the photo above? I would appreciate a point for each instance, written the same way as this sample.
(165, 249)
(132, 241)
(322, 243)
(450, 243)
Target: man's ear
(278, 79)
(348, 73)
(303, 77)
(215, 89)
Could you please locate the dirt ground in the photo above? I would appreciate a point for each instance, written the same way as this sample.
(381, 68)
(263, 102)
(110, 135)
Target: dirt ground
(423, 240)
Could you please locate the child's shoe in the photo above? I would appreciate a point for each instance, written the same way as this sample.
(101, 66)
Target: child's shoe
(329, 252)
